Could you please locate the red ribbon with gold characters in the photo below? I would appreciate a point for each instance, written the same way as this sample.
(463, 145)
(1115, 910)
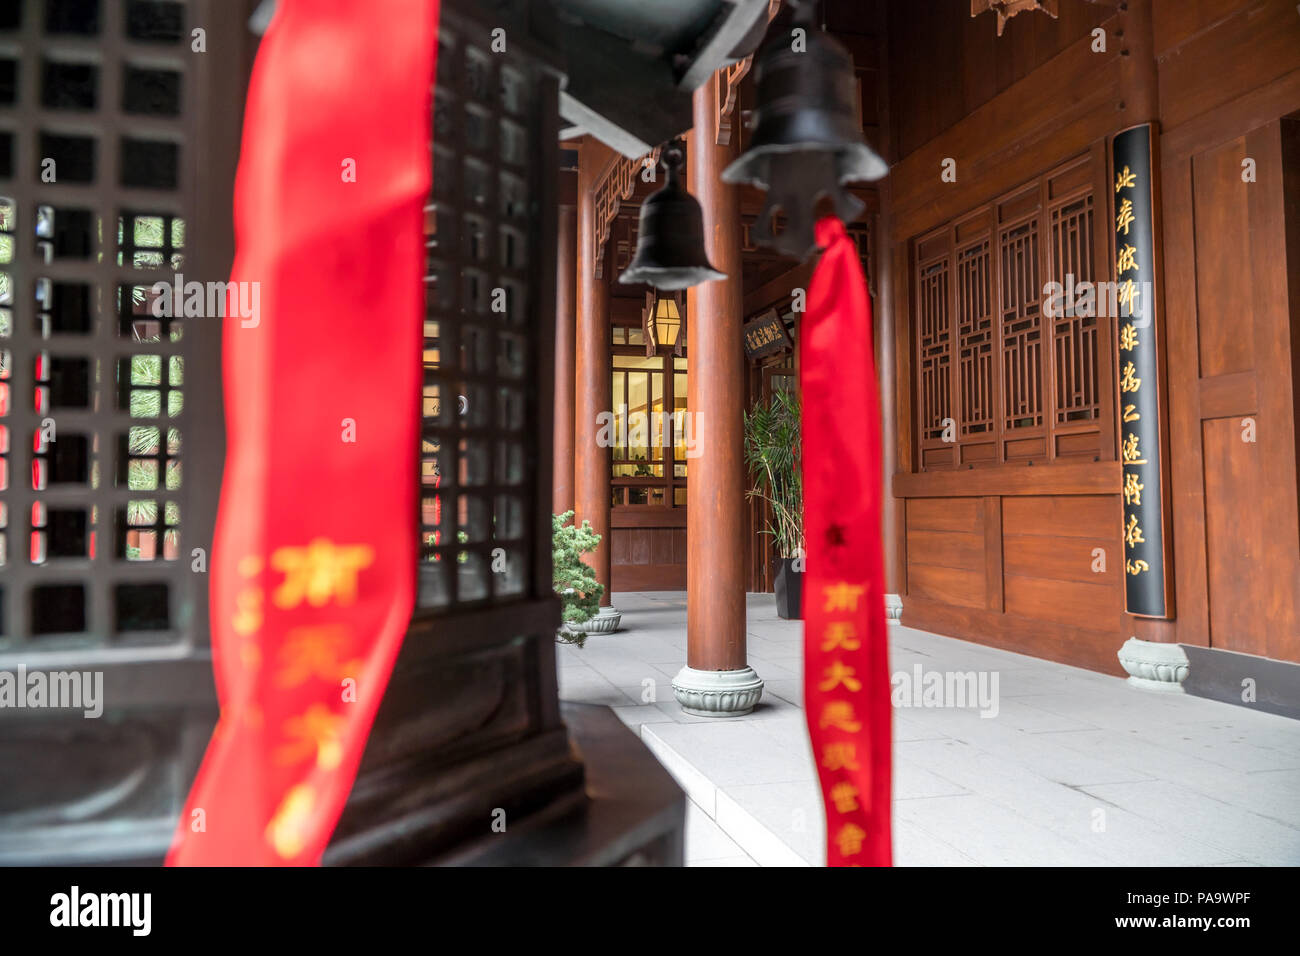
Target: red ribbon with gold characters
(846, 668)
(313, 563)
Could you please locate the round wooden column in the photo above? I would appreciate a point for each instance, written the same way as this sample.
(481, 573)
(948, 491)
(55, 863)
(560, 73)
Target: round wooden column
(562, 498)
(593, 383)
(1140, 93)
(717, 680)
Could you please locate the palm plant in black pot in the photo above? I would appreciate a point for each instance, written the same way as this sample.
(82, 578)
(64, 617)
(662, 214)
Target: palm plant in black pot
(772, 457)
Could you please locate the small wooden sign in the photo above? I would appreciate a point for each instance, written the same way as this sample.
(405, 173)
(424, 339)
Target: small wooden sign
(766, 335)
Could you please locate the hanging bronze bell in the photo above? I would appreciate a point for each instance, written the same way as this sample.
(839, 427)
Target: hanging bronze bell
(670, 250)
(808, 138)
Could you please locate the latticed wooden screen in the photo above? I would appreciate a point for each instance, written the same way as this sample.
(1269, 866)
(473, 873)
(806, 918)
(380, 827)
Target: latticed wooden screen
(1074, 337)
(975, 339)
(934, 349)
(97, 183)
(1008, 370)
(479, 441)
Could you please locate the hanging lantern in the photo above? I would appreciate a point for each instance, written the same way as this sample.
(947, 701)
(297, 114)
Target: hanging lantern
(663, 322)
(670, 250)
(808, 137)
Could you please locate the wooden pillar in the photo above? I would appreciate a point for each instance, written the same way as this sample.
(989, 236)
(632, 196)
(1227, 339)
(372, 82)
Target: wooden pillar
(593, 384)
(715, 518)
(1139, 91)
(562, 498)
(882, 267)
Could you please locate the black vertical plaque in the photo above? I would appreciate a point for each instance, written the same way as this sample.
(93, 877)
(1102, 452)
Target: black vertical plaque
(1138, 380)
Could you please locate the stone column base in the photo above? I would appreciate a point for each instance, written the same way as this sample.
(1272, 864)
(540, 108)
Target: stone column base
(717, 693)
(606, 621)
(1154, 666)
(894, 608)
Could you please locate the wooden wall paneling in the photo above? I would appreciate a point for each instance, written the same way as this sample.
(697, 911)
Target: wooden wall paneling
(949, 514)
(1074, 604)
(961, 63)
(1092, 647)
(1065, 557)
(1255, 44)
(1227, 343)
(1074, 478)
(946, 549)
(1279, 603)
(1182, 349)
(1065, 516)
(993, 554)
(1235, 522)
(1174, 22)
(1043, 120)
(956, 586)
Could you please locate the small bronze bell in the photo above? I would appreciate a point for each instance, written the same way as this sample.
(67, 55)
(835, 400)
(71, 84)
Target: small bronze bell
(670, 250)
(808, 139)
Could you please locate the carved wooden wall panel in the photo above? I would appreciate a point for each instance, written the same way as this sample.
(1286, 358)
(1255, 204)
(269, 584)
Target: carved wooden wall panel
(1022, 376)
(934, 353)
(975, 331)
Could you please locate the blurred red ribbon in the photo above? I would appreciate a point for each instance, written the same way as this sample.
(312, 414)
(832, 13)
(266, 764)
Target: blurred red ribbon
(313, 560)
(846, 668)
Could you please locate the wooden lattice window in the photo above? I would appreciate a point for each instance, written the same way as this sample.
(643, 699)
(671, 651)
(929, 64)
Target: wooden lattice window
(975, 339)
(1008, 371)
(934, 348)
(1075, 337)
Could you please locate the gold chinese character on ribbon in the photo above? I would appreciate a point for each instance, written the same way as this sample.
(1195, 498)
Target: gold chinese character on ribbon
(1132, 489)
(1136, 567)
(1125, 217)
(1129, 381)
(1125, 179)
(316, 731)
(1131, 451)
(1130, 413)
(839, 714)
(840, 673)
(247, 618)
(845, 797)
(849, 839)
(316, 651)
(841, 634)
(1128, 337)
(843, 596)
(320, 572)
(287, 831)
(840, 756)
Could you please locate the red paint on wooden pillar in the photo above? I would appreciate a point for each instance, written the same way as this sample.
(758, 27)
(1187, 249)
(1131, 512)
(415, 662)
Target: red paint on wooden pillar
(562, 498)
(715, 517)
(593, 388)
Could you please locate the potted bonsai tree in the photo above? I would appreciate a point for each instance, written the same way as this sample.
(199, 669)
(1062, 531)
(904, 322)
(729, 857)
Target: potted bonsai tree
(772, 457)
(574, 581)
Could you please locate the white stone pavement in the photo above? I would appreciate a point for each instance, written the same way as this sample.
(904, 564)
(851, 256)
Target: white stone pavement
(1076, 768)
